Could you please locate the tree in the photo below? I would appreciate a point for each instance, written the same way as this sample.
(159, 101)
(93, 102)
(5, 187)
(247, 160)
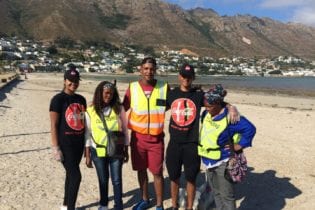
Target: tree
(52, 50)
(149, 51)
(130, 65)
(203, 69)
(65, 42)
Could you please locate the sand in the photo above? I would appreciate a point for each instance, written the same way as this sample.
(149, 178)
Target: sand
(281, 161)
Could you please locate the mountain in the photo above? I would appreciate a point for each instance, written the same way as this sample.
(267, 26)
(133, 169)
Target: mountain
(156, 24)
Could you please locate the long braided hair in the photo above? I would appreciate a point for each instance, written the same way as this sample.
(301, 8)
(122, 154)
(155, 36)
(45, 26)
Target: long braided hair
(98, 102)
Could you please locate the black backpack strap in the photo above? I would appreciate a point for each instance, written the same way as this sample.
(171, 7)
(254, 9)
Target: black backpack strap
(203, 115)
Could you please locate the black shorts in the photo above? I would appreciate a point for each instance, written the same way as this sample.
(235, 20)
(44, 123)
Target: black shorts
(182, 154)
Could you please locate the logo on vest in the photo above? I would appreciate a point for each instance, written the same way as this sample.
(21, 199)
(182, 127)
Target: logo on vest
(75, 116)
(183, 111)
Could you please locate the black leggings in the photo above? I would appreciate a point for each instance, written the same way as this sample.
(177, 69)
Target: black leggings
(72, 157)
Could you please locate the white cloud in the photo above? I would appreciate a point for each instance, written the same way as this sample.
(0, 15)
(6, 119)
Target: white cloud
(303, 11)
(191, 4)
(284, 3)
(305, 16)
(199, 3)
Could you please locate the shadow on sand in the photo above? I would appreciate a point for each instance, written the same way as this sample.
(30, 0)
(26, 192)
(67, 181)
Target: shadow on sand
(24, 151)
(261, 191)
(8, 87)
(39, 90)
(135, 196)
(135, 193)
(265, 191)
(24, 134)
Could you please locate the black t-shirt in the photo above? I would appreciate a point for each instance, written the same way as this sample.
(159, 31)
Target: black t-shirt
(185, 114)
(71, 110)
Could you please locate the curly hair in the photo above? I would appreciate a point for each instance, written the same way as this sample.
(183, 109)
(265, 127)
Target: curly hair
(98, 101)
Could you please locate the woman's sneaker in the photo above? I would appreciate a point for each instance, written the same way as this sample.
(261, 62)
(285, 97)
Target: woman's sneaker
(141, 205)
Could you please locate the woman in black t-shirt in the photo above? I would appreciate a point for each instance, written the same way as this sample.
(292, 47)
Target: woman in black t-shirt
(67, 134)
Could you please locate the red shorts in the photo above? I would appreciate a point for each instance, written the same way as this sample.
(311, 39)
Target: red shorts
(147, 153)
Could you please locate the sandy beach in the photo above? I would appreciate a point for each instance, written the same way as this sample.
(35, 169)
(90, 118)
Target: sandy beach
(281, 161)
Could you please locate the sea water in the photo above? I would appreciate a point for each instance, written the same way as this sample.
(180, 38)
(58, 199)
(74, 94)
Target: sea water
(287, 85)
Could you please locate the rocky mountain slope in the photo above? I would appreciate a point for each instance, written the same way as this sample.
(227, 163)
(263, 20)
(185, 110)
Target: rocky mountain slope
(157, 24)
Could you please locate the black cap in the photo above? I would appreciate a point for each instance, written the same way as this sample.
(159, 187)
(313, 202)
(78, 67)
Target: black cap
(71, 66)
(187, 71)
(72, 75)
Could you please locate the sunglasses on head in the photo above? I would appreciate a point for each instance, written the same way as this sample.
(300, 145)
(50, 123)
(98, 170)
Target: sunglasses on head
(109, 86)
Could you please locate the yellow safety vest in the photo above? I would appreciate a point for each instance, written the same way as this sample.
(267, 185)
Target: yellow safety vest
(208, 142)
(98, 132)
(146, 116)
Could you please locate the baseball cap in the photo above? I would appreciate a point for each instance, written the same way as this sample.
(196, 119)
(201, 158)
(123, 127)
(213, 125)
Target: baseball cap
(72, 75)
(187, 71)
(72, 66)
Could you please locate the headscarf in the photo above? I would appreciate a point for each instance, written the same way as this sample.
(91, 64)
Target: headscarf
(215, 93)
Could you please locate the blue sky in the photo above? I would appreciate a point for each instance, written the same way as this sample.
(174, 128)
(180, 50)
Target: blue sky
(300, 11)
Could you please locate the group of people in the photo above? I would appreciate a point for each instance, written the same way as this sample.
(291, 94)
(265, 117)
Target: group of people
(74, 126)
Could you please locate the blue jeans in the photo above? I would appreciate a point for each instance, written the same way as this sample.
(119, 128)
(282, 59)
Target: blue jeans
(103, 165)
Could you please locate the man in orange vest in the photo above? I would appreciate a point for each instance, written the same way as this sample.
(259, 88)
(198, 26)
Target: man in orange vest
(146, 100)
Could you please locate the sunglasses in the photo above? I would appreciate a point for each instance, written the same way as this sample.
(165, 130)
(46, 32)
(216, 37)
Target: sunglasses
(108, 86)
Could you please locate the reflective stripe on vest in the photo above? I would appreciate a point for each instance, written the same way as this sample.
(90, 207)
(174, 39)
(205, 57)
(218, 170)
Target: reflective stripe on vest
(145, 116)
(210, 131)
(99, 135)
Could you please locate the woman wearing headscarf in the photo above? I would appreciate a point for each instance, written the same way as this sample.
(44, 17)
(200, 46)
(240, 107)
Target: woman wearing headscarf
(215, 147)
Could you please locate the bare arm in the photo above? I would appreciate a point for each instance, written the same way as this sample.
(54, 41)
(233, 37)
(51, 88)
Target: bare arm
(54, 120)
(234, 115)
(88, 141)
(124, 127)
(88, 160)
(126, 101)
(125, 130)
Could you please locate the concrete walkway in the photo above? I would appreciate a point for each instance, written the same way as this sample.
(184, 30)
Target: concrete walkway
(7, 78)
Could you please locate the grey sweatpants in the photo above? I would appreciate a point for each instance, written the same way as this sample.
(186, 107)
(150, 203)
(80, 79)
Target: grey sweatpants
(223, 189)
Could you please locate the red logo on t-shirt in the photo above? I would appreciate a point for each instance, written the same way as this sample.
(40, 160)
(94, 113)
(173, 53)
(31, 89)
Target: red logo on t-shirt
(75, 116)
(183, 111)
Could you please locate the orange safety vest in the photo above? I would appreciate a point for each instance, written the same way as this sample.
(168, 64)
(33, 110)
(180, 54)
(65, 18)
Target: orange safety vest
(147, 115)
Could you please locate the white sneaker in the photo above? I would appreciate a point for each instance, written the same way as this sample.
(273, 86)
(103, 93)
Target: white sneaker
(63, 208)
(102, 208)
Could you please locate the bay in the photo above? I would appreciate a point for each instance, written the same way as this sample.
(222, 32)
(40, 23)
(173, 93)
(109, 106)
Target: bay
(304, 86)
